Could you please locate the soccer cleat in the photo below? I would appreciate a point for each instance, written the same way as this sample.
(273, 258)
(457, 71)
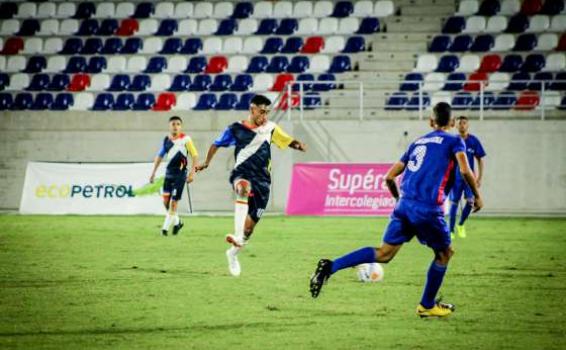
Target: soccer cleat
(235, 241)
(164, 232)
(178, 228)
(461, 229)
(320, 276)
(438, 310)
(233, 263)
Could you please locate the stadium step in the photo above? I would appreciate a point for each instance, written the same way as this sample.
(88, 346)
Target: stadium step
(409, 24)
(424, 10)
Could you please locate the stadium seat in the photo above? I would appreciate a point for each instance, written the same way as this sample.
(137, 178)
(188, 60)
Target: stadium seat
(447, 63)
(454, 82)
(312, 100)
(433, 82)
(283, 9)
(488, 99)
(547, 42)
(99, 82)
(558, 23)
(201, 82)
(454, 25)
(42, 101)
(538, 24)
(550, 100)
(185, 101)
(511, 63)
(244, 102)
(243, 10)
(278, 64)
(85, 10)
(183, 10)
(237, 64)
(504, 101)
(138, 64)
(23, 101)
(461, 101)
(152, 45)
(124, 102)
(156, 65)
(298, 64)
(354, 44)
(39, 82)
(79, 82)
(140, 82)
(559, 83)
(482, 43)
(504, 42)
(176, 64)
(339, 64)
(148, 27)
(369, 25)
(517, 24)
(525, 42)
(247, 27)
(35, 64)
(292, 45)
(461, 43)
(76, 64)
(132, 46)
(263, 9)
(531, 7)
(128, 27)
(539, 80)
(307, 26)
(172, 46)
(188, 27)
(281, 81)
(533, 63)
(439, 96)
(116, 64)
(144, 102)
(10, 27)
(325, 82)
(469, 63)
(212, 45)
(216, 64)
(165, 101)
(384, 8)
(221, 82)
(272, 45)
(56, 64)
(242, 82)
(489, 8)
(252, 45)
(475, 24)
(88, 27)
(5, 80)
(92, 46)
(411, 82)
(167, 27)
(490, 63)
(468, 8)
(475, 81)
(418, 101)
(267, 26)
(323, 9)
(192, 46)
(426, 63)
(303, 9)
(112, 46)
(440, 43)
(52, 46)
(498, 82)
(72, 46)
(227, 27)
(69, 27)
(180, 83)
(207, 26)
(15, 64)
(288, 26)
(6, 101)
(19, 81)
(165, 10)
(226, 102)
(328, 25)
(13, 46)
(552, 7)
(62, 102)
(103, 102)
(258, 64)
(343, 9)
(262, 82)
(144, 10)
(555, 62)
(206, 102)
(120, 82)
(322, 64)
(304, 82)
(8, 10)
(519, 81)
(510, 7)
(334, 44)
(105, 10)
(29, 27)
(49, 27)
(527, 100)
(496, 24)
(66, 10)
(396, 101)
(223, 9)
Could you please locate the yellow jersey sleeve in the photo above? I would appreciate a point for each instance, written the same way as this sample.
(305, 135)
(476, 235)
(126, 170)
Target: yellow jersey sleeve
(191, 148)
(280, 138)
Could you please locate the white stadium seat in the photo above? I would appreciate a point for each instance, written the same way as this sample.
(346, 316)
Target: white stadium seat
(510, 7)
(223, 9)
(116, 64)
(185, 101)
(1, 44)
(237, 64)
(55, 64)
(319, 64)
(49, 27)
(262, 82)
(538, 23)
(184, 10)
(468, 8)
(384, 8)
(19, 81)
(10, 27)
(232, 45)
(33, 45)
(212, 45)
(66, 10)
(263, 9)
(426, 63)
(47, 10)
(475, 24)
(440, 96)
(498, 81)
(363, 8)
(82, 102)
(160, 82)
(105, 10)
(136, 64)
(124, 10)
(187, 27)
(2, 63)
(207, 26)
(176, 64)
(504, 42)
(165, 10)
(52, 45)
(99, 82)
(247, 26)
(469, 63)
(303, 9)
(434, 81)
(203, 10)
(547, 42)
(27, 10)
(334, 44)
(496, 24)
(550, 99)
(15, 64)
(283, 9)
(558, 23)
(152, 45)
(252, 44)
(323, 9)
(348, 25)
(307, 26)
(69, 27)
(148, 26)
(328, 25)
(555, 62)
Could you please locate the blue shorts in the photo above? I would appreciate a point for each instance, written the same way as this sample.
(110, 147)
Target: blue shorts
(259, 196)
(411, 218)
(460, 187)
(174, 186)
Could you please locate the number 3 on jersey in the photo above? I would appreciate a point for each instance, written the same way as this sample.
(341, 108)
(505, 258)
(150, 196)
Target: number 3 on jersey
(416, 159)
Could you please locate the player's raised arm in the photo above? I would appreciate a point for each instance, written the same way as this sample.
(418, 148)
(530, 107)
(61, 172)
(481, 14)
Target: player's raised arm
(226, 139)
(283, 140)
(470, 178)
(396, 170)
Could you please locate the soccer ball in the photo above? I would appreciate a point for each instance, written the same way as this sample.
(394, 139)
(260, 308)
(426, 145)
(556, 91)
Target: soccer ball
(370, 272)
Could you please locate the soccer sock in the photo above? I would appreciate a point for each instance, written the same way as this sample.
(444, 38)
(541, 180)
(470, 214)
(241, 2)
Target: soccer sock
(434, 279)
(167, 222)
(240, 214)
(465, 213)
(360, 256)
(453, 213)
(176, 219)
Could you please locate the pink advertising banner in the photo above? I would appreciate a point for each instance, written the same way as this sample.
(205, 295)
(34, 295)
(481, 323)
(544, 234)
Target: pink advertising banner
(342, 189)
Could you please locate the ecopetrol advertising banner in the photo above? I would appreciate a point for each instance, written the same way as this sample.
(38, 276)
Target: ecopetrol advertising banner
(339, 189)
(63, 188)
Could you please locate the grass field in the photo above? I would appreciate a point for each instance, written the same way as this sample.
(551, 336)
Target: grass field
(113, 283)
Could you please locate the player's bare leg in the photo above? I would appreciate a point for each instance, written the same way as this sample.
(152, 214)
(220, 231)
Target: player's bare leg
(242, 189)
(430, 306)
(167, 222)
(177, 223)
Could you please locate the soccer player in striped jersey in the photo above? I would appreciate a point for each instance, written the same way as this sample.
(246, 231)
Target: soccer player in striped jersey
(177, 147)
(250, 178)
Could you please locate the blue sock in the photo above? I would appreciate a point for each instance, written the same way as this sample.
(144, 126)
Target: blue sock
(433, 281)
(360, 256)
(453, 213)
(465, 213)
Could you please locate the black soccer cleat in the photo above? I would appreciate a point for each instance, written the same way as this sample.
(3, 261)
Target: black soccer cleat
(320, 276)
(178, 228)
(164, 232)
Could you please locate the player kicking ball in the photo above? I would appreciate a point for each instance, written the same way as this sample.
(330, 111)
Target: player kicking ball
(428, 170)
(250, 178)
(177, 147)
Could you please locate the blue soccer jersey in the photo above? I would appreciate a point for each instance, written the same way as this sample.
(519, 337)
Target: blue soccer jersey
(474, 149)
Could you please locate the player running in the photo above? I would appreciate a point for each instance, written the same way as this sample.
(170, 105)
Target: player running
(250, 178)
(474, 150)
(428, 169)
(177, 146)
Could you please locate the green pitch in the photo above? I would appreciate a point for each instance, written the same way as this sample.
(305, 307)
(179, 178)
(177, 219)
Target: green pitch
(113, 283)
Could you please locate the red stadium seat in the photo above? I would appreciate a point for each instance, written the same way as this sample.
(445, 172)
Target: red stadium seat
(79, 82)
(478, 78)
(562, 43)
(165, 101)
(527, 101)
(314, 44)
(128, 27)
(531, 7)
(13, 46)
(217, 64)
(490, 63)
(284, 102)
(281, 81)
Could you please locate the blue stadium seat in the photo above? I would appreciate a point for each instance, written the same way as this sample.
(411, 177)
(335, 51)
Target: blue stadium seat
(76, 64)
(396, 101)
(96, 64)
(504, 101)
(411, 82)
(448, 63)
(440, 43)
(6, 101)
(192, 46)
(355, 44)
(35, 64)
(227, 27)
(304, 78)
(340, 64)
(103, 102)
(489, 8)
(62, 102)
(454, 25)
(156, 64)
(462, 100)
(226, 102)
(243, 10)
(461, 43)
(267, 26)
(312, 100)
(112, 46)
(120, 82)
(288, 26)
(323, 82)
(85, 10)
(124, 102)
(488, 99)
(197, 64)
(413, 104)
(167, 27)
(552, 7)
(560, 82)
(242, 82)
(525, 42)
(4, 80)
(222, 82)
(517, 24)
(519, 81)
(369, 25)
(144, 102)
(180, 83)
(483, 43)
(454, 82)
(298, 64)
(533, 63)
(245, 101)
(201, 82)
(72, 46)
(28, 27)
(343, 9)
(39, 82)
(277, 64)
(88, 27)
(144, 10)
(257, 64)
(108, 27)
(206, 102)
(511, 63)
(292, 45)
(8, 10)
(140, 83)
(42, 101)
(23, 101)
(59, 82)
(172, 46)
(545, 78)
(92, 46)
(132, 46)
(272, 45)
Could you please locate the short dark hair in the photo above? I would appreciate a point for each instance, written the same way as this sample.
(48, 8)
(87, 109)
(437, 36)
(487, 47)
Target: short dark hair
(260, 100)
(175, 117)
(442, 112)
(462, 117)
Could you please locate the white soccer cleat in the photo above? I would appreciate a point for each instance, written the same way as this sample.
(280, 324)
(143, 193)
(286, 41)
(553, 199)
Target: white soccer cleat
(233, 263)
(235, 241)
